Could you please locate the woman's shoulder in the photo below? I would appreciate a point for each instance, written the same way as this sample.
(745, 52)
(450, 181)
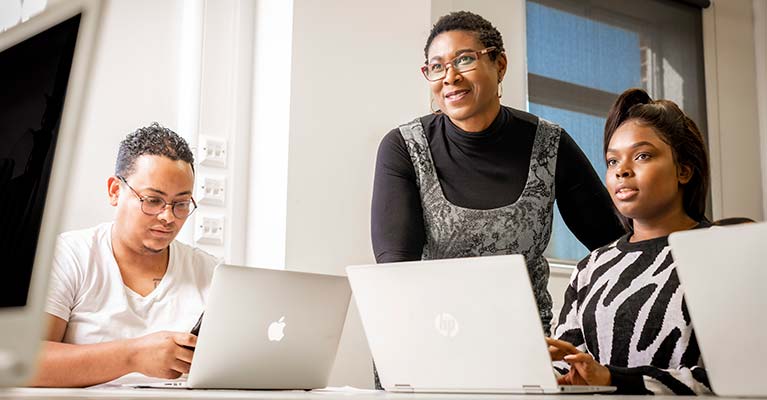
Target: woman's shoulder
(392, 145)
(393, 152)
(522, 121)
(423, 120)
(522, 117)
(394, 139)
(599, 256)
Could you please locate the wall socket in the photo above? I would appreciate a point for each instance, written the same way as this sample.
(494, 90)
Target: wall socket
(212, 190)
(209, 229)
(212, 151)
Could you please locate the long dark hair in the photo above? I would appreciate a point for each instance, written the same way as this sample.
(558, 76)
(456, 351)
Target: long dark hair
(677, 130)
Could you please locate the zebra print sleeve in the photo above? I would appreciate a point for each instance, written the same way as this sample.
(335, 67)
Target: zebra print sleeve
(569, 327)
(650, 380)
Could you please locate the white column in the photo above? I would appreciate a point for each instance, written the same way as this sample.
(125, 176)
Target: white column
(225, 115)
(189, 77)
(268, 186)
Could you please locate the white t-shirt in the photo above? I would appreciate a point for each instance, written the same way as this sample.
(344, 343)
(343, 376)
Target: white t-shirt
(88, 292)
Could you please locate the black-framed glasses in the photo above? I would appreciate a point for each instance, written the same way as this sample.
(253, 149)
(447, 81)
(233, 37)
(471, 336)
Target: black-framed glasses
(464, 62)
(153, 205)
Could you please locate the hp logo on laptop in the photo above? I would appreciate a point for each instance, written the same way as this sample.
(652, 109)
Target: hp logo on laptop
(446, 325)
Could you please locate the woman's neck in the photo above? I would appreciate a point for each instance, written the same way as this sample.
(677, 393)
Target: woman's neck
(480, 121)
(661, 225)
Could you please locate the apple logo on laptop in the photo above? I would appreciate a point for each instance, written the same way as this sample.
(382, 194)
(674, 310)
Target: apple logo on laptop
(275, 331)
(446, 324)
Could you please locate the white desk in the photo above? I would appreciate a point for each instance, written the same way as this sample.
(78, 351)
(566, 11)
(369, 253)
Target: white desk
(106, 394)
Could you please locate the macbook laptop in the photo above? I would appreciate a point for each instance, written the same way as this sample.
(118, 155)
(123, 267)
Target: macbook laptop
(466, 325)
(723, 271)
(267, 329)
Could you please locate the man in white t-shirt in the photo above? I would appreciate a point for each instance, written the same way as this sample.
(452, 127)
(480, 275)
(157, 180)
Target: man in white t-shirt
(125, 294)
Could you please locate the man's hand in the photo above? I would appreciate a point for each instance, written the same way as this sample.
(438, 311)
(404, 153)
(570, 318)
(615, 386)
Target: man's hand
(161, 354)
(584, 370)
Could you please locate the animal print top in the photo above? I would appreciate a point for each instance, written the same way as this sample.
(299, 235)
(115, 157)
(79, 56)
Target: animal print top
(624, 307)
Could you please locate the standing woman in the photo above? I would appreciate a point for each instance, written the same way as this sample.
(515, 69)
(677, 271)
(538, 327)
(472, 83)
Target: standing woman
(478, 178)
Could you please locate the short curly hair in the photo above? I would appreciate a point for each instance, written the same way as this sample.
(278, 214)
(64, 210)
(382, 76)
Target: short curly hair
(486, 33)
(155, 140)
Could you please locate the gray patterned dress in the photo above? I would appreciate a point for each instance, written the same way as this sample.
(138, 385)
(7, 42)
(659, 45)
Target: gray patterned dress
(523, 227)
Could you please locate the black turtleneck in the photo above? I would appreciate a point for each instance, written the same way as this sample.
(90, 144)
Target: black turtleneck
(482, 170)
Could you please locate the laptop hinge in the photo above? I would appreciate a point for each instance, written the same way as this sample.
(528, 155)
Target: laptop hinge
(532, 389)
(403, 387)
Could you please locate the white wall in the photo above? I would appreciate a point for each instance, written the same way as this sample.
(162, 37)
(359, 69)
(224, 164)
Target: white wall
(734, 142)
(133, 82)
(354, 78)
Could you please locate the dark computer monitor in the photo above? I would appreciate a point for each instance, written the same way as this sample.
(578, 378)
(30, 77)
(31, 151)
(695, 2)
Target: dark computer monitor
(44, 66)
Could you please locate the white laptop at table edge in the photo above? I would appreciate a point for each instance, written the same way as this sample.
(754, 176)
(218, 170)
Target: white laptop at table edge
(415, 276)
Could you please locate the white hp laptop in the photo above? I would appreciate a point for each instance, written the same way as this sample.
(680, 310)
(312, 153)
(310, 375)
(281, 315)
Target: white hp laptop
(467, 325)
(723, 271)
(267, 329)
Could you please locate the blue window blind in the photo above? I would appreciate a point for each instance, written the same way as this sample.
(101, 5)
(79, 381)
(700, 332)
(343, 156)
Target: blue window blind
(585, 131)
(582, 51)
(582, 54)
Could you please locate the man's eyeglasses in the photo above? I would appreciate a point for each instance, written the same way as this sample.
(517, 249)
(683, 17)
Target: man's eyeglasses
(464, 62)
(153, 205)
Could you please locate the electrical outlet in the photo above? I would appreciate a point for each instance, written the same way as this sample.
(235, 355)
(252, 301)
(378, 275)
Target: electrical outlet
(212, 190)
(212, 151)
(209, 229)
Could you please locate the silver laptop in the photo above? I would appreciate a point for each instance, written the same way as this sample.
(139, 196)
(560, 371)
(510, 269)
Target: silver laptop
(267, 329)
(723, 271)
(467, 325)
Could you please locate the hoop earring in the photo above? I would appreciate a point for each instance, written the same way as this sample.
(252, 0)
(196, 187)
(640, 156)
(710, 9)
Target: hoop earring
(500, 89)
(431, 106)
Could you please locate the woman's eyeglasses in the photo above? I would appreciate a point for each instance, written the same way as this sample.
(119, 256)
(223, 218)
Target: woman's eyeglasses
(464, 62)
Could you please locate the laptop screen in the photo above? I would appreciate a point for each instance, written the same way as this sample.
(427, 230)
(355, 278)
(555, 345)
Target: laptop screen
(33, 84)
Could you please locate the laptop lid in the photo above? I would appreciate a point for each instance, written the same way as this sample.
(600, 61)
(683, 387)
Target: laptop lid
(44, 65)
(723, 271)
(269, 329)
(458, 325)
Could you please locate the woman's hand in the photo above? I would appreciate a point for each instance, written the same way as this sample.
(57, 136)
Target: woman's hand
(584, 370)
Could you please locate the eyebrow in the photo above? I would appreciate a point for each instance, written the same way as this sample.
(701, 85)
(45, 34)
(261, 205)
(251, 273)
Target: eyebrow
(158, 191)
(633, 146)
(457, 53)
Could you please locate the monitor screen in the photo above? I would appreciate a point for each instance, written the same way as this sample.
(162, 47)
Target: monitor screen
(33, 84)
